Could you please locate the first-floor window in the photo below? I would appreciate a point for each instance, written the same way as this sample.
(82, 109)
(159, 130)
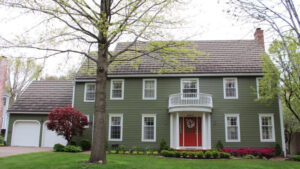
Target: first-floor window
(149, 127)
(266, 123)
(232, 127)
(115, 127)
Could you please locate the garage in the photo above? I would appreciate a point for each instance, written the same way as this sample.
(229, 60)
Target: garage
(26, 133)
(50, 138)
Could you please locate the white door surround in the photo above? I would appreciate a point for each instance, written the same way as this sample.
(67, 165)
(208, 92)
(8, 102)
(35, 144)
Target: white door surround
(26, 133)
(175, 133)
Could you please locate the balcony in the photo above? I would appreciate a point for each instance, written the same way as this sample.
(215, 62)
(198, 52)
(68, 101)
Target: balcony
(190, 102)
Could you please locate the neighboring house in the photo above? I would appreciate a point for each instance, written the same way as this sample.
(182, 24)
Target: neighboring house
(189, 110)
(4, 96)
(29, 113)
(5, 117)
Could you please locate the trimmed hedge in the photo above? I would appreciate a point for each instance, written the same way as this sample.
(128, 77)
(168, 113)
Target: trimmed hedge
(85, 144)
(58, 148)
(73, 149)
(296, 157)
(266, 152)
(194, 155)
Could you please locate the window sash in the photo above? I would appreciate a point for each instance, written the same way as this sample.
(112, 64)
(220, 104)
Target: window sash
(189, 88)
(232, 128)
(90, 92)
(149, 127)
(117, 89)
(115, 127)
(230, 88)
(149, 89)
(267, 128)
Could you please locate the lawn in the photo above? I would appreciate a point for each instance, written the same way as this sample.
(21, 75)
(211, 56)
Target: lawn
(75, 161)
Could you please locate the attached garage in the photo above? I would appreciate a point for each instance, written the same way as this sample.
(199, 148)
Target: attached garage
(26, 133)
(50, 138)
(29, 113)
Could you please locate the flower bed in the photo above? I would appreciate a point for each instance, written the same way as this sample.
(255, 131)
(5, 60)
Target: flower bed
(266, 152)
(195, 155)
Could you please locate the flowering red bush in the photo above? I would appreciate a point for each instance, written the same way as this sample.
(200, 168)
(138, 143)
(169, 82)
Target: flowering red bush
(266, 152)
(67, 121)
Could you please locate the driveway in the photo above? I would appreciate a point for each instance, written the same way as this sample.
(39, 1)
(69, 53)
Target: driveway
(9, 151)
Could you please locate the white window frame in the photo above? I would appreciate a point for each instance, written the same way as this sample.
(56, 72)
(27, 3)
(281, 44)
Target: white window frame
(111, 88)
(257, 86)
(236, 89)
(181, 87)
(273, 127)
(85, 90)
(238, 125)
(143, 119)
(121, 125)
(155, 89)
(88, 119)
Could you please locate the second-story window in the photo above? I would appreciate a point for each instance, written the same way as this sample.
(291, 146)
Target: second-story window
(230, 86)
(4, 101)
(89, 92)
(149, 89)
(189, 88)
(117, 89)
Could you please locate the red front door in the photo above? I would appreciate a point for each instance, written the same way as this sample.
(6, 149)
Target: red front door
(190, 131)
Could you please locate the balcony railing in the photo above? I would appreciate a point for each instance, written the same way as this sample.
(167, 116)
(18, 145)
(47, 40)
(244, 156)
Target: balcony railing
(190, 100)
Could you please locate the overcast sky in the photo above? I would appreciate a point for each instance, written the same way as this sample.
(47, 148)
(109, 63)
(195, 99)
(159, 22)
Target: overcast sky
(206, 20)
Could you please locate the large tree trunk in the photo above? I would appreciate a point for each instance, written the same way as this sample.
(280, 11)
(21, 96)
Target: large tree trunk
(99, 129)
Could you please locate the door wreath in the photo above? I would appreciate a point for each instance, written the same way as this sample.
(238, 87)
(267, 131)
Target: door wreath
(190, 123)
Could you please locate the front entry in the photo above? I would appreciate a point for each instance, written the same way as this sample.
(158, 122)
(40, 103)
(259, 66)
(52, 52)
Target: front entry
(190, 131)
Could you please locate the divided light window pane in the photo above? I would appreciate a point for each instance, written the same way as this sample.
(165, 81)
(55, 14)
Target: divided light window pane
(148, 128)
(190, 89)
(90, 92)
(230, 87)
(267, 128)
(149, 90)
(117, 89)
(232, 128)
(115, 130)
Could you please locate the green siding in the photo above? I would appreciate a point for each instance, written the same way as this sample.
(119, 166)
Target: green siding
(132, 108)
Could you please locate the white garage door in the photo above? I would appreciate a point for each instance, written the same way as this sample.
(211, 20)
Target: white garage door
(50, 138)
(26, 133)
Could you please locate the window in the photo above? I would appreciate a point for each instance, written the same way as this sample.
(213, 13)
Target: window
(232, 127)
(189, 88)
(89, 92)
(4, 101)
(258, 86)
(88, 119)
(149, 127)
(266, 125)
(230, 86)
(115, 127)
(117, 89)
(149, 89)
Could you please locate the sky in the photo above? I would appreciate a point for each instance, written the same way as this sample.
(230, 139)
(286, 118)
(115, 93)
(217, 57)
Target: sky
(205, 20)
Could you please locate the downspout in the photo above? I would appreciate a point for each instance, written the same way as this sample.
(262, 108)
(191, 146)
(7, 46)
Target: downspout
(283, 145)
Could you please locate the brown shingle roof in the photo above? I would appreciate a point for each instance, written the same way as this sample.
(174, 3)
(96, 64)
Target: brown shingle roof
(43, 96)
(223, 56)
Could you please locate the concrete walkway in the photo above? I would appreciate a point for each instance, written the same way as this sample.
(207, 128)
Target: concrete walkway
(10, 151)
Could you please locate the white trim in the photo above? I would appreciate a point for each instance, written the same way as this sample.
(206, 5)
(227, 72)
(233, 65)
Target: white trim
(273, 127)
(121, 125)
(177, 145)
(85, 88)
(12, 134)
(238, 125)
(73, 95)
(283, 146)
(190, 108)
(155, 89)
(154, 118)
(111, 86)
(204, 131)
(257, 86)
(209, 131)
(29, 112)
(171, 130)
(187, 79)
(236, 87)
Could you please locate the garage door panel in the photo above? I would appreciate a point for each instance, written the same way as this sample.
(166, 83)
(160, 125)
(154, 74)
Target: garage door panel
(26, 133)
(50, 138)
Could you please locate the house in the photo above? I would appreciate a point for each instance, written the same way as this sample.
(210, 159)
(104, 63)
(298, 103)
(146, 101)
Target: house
(189, 110)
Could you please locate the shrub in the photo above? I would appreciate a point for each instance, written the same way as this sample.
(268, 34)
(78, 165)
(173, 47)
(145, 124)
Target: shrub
(191, 154)
(148, 149)
(296, 157)
(278, 150)
(74, 149)
(215, 154)
(135, 148)
(177, 154)
(249, 156)
(164, 153)
(200, 155)
(219, 145)
(266, 152)
(155, 153)
(148, 152)
(163, 145)
(208, 154)
(134, 152)
(58, 147)
(1, 141)
(121, 148)
(127, 152)
(113, 151)
(85, 144)
(141, 152)
(184, 154)
(224, 155)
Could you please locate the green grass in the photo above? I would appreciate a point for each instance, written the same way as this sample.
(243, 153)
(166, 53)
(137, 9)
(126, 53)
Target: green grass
(75, 161)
